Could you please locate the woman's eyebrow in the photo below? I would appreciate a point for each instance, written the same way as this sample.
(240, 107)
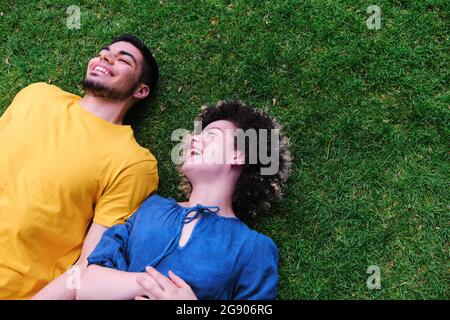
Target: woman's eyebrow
(215, 128)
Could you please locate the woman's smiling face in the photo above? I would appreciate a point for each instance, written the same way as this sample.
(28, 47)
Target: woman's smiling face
(212, 151)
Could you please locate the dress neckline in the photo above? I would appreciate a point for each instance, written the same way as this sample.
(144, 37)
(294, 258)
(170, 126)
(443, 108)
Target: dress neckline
(213, 214)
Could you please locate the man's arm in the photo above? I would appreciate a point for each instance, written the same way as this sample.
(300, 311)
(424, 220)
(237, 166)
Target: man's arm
(58, 289)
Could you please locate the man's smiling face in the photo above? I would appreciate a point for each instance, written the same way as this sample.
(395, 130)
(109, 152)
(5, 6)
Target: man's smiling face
(115, 73)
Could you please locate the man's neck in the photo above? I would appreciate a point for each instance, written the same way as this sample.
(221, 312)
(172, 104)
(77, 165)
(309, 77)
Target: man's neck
(110, 110)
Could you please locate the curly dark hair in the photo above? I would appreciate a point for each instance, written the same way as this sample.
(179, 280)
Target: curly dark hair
(254, 191)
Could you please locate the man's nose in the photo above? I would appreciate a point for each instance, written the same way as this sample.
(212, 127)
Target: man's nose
(106, 56)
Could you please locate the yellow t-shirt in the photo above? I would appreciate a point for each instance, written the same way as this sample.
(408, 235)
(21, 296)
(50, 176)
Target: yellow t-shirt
(61, 168)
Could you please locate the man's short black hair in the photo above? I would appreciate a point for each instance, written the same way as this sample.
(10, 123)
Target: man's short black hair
(150, 71)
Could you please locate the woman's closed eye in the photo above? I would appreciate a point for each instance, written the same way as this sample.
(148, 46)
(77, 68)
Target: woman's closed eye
(214, 131)
(210, 135)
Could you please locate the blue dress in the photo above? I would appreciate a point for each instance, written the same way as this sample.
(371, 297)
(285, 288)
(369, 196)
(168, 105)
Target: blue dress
(222, 259)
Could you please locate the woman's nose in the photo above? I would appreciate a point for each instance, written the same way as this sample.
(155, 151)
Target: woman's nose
(195, 138)
(196, 141)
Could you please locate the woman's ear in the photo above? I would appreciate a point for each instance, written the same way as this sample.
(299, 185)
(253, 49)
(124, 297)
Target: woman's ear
(142, 92)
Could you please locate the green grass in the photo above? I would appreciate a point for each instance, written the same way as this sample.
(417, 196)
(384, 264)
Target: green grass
(366, 110)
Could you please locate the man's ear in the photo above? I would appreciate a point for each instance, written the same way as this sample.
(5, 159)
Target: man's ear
(142, 91)
(239, 158)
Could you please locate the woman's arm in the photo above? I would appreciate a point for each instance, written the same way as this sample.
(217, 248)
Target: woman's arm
(100, 283)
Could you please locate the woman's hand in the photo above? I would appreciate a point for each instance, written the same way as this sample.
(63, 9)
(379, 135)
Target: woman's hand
(159, 287)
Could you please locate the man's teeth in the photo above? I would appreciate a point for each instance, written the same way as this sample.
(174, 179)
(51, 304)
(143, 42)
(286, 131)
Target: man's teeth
(103, 70)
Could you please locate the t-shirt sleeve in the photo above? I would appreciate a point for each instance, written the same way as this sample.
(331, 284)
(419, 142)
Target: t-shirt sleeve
(7, 114)
(111, 251)
(24, 99)
(259, 277)
(5, 118)
(127, 191)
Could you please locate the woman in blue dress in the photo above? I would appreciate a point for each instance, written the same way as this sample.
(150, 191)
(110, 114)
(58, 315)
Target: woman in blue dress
(201, 249)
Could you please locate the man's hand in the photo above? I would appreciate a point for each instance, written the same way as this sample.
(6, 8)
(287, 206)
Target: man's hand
(159, 287)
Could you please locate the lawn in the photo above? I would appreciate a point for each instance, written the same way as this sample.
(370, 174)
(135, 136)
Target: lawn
(366, 111)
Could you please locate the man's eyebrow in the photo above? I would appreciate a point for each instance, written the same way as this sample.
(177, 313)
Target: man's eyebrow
(128, 54)
(121, 52)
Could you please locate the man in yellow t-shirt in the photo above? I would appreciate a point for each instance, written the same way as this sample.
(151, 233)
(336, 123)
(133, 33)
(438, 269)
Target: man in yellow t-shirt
(70, 169)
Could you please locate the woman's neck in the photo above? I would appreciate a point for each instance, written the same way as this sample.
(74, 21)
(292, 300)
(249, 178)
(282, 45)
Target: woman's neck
(208, 195)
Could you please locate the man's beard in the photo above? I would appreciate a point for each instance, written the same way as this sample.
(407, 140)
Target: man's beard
(99, 90)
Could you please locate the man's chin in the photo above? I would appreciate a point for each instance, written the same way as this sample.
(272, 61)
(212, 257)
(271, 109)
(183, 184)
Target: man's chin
(101, 90)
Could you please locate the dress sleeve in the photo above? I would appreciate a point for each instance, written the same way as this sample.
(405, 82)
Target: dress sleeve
(111, 251)
(259, 277)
